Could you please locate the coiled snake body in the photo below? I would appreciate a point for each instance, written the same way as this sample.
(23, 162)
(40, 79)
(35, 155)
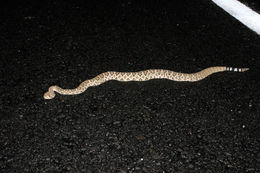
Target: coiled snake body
(139, 76)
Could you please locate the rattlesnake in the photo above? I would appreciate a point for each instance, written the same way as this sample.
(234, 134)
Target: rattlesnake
(139, 76)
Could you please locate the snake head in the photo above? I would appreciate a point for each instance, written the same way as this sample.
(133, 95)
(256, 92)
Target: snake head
(49, 94)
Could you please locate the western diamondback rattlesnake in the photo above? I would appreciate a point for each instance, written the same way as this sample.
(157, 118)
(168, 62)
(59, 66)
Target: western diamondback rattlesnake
(139, 76)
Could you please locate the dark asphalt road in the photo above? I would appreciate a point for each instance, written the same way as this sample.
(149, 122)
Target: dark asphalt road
(155, 126)
(255, 5)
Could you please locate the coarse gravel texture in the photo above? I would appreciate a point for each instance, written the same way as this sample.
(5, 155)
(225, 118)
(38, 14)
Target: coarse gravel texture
(156, 126)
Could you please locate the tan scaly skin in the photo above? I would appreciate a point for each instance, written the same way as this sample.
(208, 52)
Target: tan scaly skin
(139, 76)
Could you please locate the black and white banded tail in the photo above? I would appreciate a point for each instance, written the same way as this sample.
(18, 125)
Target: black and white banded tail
(236, 69)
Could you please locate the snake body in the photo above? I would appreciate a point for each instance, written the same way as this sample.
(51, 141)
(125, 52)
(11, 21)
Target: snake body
(139, 76)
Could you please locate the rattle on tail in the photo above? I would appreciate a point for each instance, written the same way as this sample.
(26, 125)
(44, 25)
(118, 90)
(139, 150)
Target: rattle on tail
(139, 76)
